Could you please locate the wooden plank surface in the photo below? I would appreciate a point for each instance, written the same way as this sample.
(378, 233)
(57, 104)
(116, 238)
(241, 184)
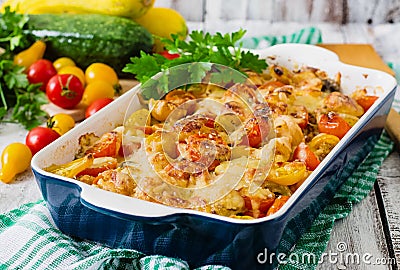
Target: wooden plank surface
(389, 185)
(351, 239)
(304, 11)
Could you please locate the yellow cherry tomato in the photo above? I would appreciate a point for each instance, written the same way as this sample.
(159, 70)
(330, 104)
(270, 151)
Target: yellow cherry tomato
(103, 72)
(15, 159)
(322, 144)
(63, 62)
(29, 56)
(74, 70)
(97, 90)
(288, 173)
(61, 123)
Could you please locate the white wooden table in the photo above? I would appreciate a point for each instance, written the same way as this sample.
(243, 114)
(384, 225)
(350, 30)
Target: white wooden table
(373, 227)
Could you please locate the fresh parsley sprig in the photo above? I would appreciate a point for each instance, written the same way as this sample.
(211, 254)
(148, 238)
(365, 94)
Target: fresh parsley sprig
(20, 101)
(12, 36)
(200, 47)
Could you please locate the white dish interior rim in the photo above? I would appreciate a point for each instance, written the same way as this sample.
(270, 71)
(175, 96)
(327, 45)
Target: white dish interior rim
(108, 201)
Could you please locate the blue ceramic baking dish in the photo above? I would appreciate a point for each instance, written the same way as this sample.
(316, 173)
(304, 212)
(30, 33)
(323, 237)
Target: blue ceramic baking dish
(200, 238)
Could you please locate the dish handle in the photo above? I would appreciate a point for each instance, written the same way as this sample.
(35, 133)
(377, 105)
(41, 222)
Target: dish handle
(296, 51)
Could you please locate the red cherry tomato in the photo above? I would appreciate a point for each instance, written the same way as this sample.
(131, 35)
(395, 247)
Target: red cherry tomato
(39, 137)
(333, 124)
(96, 106)
(65, 90)
(40, 72)
(304, 153)
(366, 101)
(168, 55)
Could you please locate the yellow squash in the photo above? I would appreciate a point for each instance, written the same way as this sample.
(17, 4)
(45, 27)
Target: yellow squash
(29, 56)
(124, 8)
(162, 22)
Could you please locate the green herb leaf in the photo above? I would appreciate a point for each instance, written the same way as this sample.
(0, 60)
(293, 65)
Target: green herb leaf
(198, 71)
(145, 66)
(150, 90)
(12, 25)
(201, 47)
(25, 99)
(250, 61)
(27, 110)
(14, 78)
(3, 112)
(224, 76)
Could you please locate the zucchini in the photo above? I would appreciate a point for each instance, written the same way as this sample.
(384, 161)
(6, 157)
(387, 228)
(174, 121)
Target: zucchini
(89, 38)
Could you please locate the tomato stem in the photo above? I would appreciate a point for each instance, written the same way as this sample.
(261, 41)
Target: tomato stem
(65, 91)
(51, 122)
(117, 88)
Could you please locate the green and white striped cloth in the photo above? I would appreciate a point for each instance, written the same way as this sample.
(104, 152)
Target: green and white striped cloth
(309, 35)
(30, 240)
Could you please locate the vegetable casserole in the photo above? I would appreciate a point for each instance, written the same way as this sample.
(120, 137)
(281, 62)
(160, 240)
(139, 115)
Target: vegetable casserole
(239, 150)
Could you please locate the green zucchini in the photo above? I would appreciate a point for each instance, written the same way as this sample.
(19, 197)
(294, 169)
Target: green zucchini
(89, 38)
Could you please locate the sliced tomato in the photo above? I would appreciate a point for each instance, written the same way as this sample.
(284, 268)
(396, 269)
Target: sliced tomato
(271, 86)
(304, 154)
(257, 129)
(263, 205)
(247, 203)
(194, 146)
(168, 55)
(278, 203)
(332, 123)
(100, 165)
(128, 149)
(300, 115)
(107, 146)
(366, 101)
(213, 165)
(148, 130)
(288, 173)
(210, 123)
(322, 144)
